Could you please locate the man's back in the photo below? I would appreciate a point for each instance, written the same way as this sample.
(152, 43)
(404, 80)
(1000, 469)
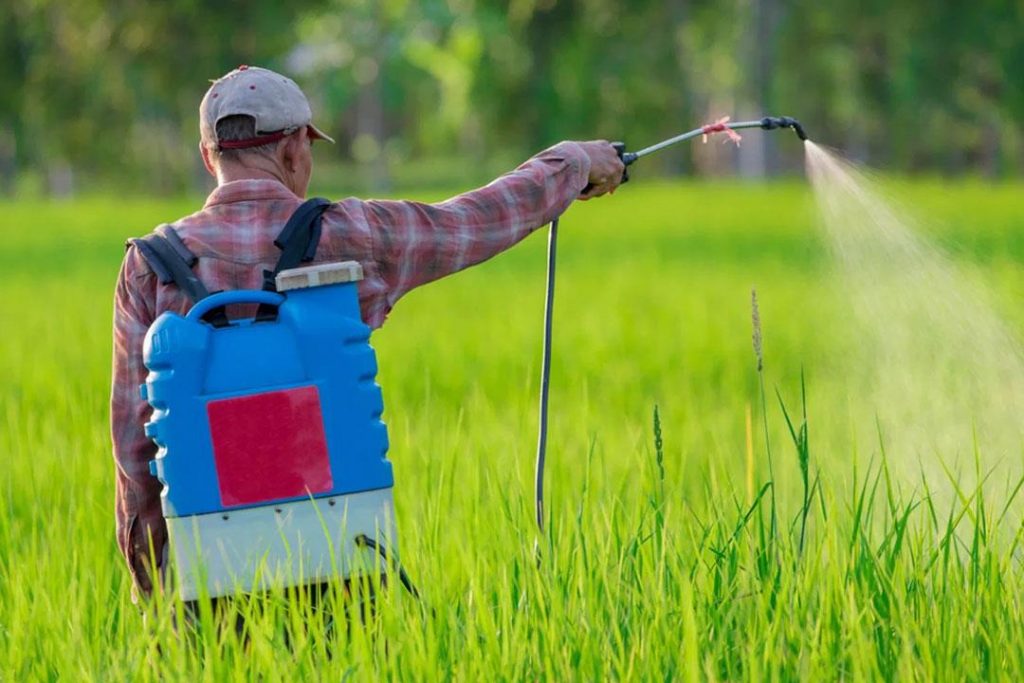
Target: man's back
(233, 238)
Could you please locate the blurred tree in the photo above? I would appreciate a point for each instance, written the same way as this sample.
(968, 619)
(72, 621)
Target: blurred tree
(110, 87)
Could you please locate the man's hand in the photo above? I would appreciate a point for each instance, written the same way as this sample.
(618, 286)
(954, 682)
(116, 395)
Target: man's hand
(605, 168)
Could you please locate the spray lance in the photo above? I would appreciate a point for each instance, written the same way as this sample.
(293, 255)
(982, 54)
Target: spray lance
(628, 158)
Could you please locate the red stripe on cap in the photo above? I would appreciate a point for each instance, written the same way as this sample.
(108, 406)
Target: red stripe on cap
(253, 142)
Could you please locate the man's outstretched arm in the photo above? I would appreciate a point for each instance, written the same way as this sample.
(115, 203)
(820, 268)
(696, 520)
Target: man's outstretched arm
(415, 243)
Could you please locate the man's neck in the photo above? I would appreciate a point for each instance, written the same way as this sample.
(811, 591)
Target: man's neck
(231, 172)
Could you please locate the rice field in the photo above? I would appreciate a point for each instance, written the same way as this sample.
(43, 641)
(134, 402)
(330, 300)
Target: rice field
(707, 521)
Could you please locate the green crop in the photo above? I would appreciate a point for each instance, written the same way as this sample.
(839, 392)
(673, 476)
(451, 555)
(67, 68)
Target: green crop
(673, 551)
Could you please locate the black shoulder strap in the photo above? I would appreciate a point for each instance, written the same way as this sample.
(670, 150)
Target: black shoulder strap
(171, 261)
(298, 242)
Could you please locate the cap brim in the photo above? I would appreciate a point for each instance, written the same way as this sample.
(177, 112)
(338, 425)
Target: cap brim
(317, 134)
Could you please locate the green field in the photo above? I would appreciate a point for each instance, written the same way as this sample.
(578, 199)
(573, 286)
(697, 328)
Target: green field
(654, 568)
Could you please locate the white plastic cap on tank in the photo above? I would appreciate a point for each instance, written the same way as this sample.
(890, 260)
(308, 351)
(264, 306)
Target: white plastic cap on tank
(319, 275)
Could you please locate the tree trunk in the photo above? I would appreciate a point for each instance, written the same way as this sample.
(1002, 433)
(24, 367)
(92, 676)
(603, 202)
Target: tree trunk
(8, 161)
(757, 151)
(676, 164)
(370, 112)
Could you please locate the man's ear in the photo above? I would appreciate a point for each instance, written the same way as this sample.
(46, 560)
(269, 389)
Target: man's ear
(288, 151)
(295, 147)
(207, 159)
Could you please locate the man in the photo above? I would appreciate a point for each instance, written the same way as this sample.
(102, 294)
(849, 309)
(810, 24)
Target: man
(256, 134)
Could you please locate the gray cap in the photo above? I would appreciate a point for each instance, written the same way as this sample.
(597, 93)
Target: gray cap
(275, 102)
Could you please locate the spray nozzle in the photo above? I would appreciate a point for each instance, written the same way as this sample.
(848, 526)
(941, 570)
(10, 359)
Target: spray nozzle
(773, 122)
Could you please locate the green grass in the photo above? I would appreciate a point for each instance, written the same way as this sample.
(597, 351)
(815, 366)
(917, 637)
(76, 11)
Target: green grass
(664, 559)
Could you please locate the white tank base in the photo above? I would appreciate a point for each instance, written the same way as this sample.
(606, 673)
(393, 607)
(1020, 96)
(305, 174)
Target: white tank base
(282, 545)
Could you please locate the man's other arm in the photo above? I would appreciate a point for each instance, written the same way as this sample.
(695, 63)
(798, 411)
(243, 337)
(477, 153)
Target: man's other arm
(137, 508)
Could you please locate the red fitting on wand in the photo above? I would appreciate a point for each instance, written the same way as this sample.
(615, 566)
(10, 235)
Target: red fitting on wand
(720, 127)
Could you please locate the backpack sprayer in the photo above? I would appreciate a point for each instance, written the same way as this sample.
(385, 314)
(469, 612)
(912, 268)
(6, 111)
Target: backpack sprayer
(272, 452)
(721, 126)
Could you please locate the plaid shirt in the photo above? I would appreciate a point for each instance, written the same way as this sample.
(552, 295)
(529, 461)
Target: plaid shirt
(400, 244)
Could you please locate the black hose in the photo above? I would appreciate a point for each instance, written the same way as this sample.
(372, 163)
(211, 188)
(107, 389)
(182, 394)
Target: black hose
(364, 541)
(545, 376)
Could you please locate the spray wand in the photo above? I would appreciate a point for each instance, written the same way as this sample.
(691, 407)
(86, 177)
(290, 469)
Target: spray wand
(628, 158)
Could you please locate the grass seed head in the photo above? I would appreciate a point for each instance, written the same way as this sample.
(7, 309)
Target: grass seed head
(755, 318)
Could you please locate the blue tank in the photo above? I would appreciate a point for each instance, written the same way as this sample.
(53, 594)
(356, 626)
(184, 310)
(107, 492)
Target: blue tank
(259, 414)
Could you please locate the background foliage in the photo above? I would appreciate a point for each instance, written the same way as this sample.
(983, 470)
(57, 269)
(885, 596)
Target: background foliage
(100, 92)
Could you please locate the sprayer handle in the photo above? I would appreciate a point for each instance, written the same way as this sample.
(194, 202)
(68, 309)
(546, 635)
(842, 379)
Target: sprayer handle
(627, 159)
(229, 298)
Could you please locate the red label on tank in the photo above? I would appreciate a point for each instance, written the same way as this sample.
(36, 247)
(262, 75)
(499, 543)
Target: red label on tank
(269, 446)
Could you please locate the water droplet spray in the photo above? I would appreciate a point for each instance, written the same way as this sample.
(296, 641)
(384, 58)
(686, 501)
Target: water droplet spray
(937, 367)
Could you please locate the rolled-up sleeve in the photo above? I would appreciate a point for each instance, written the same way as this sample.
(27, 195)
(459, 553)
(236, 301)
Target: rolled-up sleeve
(415, 243)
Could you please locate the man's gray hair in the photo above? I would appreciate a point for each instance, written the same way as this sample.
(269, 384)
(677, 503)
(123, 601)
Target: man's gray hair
(239, 127)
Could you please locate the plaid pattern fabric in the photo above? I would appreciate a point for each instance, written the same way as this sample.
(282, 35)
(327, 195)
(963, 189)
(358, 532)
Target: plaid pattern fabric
(400, 244)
